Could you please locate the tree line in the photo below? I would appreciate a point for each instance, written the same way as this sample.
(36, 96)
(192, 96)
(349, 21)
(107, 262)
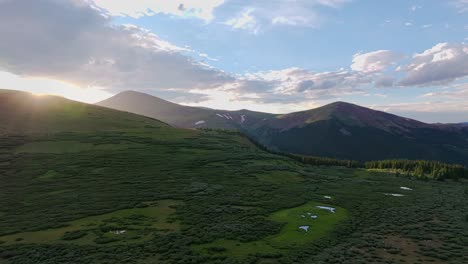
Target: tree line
(425, 169)
(421, 168)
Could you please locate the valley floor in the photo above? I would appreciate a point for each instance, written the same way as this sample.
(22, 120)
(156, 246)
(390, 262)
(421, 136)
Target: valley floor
(162, 195)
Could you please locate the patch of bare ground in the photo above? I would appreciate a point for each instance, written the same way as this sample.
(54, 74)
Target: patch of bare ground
(405, 250)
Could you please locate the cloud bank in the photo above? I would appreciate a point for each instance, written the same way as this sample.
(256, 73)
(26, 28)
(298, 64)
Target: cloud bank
(71, 41)
(181, 8)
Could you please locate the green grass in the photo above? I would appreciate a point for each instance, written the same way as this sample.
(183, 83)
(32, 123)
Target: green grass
(235, 248)
(139, 224)
(280, 177)
(289, 236)
(48, 175)
(318, 228)
(57, 147)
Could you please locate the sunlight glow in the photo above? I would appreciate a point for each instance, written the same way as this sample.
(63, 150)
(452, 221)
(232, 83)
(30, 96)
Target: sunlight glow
(45, 86)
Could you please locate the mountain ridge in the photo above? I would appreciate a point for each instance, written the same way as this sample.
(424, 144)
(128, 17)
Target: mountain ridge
(335, 109)
(181, 115)
(337, 130)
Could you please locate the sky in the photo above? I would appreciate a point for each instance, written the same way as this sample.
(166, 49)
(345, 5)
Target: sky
(405, 57)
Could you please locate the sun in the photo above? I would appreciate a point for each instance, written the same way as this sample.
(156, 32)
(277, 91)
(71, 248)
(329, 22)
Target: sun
(46, 86)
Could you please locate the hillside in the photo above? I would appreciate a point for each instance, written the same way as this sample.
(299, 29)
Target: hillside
(23, 112)
(339, 130)
(92, 185)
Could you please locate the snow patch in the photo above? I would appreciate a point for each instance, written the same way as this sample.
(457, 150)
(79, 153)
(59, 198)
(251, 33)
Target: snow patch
(310, 215)
(200, 122)
(118, 232)
(328, 208)
(305, 228)
(225, 116)
(243, 119)
(327, 197)
(406, 188)
(394, 194)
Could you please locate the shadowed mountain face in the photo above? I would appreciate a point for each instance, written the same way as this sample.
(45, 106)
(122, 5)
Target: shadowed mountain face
(339, 130)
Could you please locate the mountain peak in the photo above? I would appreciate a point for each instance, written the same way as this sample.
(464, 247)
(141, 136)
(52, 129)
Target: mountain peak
(341, 105)
(132, 93)
(349, 114)
(133, 97)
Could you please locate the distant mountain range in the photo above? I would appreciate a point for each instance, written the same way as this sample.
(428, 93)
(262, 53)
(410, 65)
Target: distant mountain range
(183, 116)
(339, 130)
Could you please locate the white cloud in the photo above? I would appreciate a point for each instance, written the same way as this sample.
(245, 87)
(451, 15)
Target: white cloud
(72, 42)
(137, 8)
(331, 3)
(457, 92)
(440, 64)
(254, 15)
(206, 56)
(434, 106)
(384, 81)
(244, 20)
(376, 61)
(298, 85)
(461, 5)
(292, 20)
(415, 7)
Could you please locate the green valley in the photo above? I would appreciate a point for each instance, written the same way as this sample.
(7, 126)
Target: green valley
(94, 185)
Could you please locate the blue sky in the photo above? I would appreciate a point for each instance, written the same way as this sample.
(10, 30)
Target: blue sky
(353, 27)
(405, 57)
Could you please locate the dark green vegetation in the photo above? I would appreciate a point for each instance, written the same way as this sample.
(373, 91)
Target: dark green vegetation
(415, 168)
(424, 169)
(421, 168)
(339, 130)
(190, 196)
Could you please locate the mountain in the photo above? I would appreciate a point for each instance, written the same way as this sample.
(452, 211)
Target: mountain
(348, 131)
(339, 130)
(180, 115)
